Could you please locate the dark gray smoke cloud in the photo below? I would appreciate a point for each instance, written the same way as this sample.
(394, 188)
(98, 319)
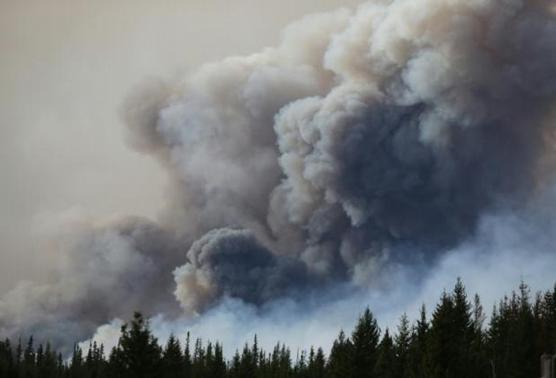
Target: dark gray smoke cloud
(365, 139)
(233, 263)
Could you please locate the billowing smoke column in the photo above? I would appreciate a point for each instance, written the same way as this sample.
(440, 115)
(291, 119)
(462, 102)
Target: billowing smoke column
(366, 138)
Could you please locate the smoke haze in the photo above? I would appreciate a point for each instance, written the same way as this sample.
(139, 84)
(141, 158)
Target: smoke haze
(371, 157)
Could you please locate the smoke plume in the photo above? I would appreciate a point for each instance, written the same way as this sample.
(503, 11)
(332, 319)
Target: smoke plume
(370, 141)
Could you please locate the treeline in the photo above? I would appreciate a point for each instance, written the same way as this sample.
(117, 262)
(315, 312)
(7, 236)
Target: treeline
(454, 343)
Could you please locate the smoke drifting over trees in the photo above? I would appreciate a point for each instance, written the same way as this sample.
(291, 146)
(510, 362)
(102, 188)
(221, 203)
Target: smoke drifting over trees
(368, 138)
(452, 341)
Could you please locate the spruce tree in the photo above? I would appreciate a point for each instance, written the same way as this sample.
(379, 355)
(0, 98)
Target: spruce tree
(218, 367)
(441, 344)
(234, 369)
(419, 366)
(402, 344)
(187, 361)
(365, 340)
(138, 350)
(172, 364)
(385, 366)
(28, 367)
(340, 360)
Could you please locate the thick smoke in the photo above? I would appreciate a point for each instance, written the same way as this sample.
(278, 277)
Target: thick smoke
(106, 270)
(367, 140)
(233, 263)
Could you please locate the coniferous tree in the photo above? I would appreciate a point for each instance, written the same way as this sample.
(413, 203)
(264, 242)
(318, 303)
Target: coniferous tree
(523, 334)
(172, 363)
(6, 360)
(76, 366)
(440, 348)
(463, 332)
(419, 366)
(365, 340)
(386, 361)
(339, 362)
(138, 351)
(402, 344)
(301, 369)
(547, 328)
(199, 360)
(187, 362)
(317, 363)
(218, 366)
(28, 366)
(247, 366)
(234, 369)
(478, 363)
(49, 368)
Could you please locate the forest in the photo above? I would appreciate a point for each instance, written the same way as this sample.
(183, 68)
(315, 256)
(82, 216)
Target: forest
(455, 341)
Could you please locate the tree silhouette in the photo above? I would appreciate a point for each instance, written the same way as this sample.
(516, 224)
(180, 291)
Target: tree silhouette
(454, 344)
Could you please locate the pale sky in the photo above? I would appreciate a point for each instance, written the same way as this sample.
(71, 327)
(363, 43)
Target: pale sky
(66, 66)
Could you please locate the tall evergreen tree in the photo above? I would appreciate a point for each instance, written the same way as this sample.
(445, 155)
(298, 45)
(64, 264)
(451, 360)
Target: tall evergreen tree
(138, 351)
(340, 360)
(172, 364)
(365, 340)
(218, 366)
(28, 366)
(402, 344)
(385, 366)
(419, 366)
(317, 364)
(187, 361)
(441, 344)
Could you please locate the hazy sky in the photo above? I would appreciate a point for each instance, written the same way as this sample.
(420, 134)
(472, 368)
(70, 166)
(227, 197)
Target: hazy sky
(66, 67)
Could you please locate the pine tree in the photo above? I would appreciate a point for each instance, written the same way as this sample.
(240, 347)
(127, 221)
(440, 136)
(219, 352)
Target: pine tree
(247, 366)
(440, 356)
(6, 359)
(187, 362)
(478, 362)
(49, 368)
(172, 364)
(463, 332)
(199, 360)
(76, 369)
(365, 340)
(340, 360)
(402, 344)
(218, 368)
(524, 336)
(138, 350)
(317, 363)
(28, 367)
(385, 366)
(547, 330)
(418, 352)
(235, 370)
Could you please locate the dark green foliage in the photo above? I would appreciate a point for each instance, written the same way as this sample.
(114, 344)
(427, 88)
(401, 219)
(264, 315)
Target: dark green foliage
(386, 363)
(173, 362)
(365, 339)
(339, 363)
(402, 348)
(452, 337)
(138, 354)
(455, 343)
